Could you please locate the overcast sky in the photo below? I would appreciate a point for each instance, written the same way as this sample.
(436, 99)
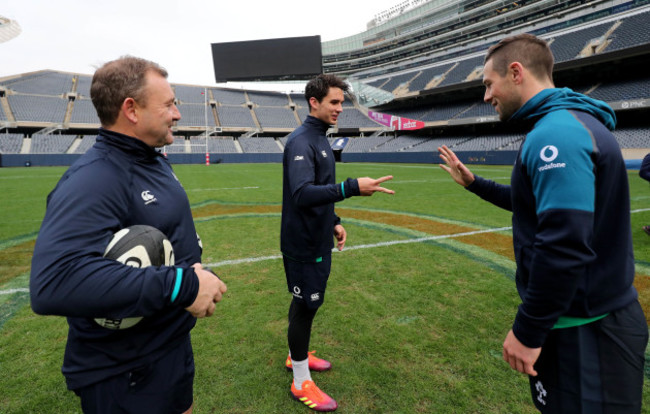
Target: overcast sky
(79, 35)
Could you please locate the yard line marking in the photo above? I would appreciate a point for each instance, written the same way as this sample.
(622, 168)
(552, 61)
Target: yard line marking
(10, 291)
(640, 210)
(366, 246)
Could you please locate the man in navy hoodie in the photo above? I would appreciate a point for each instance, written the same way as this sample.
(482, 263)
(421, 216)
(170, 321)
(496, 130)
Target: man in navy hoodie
(120, 182)
(580, 333)
(309, 226)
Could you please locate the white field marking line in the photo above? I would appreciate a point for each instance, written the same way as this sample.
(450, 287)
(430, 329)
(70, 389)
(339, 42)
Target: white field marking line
(224, 188)
(10, 291)
(640, 210)
(365, 246)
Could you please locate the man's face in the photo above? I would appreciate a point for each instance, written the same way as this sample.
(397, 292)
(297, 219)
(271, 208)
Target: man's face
(158, 113)
(500, 92)
(329, 108)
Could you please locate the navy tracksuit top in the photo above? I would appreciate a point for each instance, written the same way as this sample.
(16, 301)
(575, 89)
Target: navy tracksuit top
(309, 191)
(119, 182)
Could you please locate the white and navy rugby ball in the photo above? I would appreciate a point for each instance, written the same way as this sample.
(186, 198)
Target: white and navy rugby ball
(138, 246)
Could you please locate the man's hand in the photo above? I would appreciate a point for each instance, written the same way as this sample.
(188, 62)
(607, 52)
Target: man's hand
(341, 236)
(519, 356)
(211, 290)
(454, 167)
(368, 186)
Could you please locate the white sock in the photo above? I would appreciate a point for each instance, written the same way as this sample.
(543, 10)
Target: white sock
(300, 372)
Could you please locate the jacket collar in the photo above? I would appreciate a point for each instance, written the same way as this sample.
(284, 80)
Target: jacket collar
(128, 144)
(316, 123)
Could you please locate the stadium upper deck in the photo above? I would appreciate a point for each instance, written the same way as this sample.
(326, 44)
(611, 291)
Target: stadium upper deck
(593, 42)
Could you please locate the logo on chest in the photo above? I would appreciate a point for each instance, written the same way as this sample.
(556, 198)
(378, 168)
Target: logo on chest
(147, 197)
(324, 154)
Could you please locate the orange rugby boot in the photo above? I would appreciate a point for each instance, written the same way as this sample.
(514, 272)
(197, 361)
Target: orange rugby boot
(315, 363)
(313, 397)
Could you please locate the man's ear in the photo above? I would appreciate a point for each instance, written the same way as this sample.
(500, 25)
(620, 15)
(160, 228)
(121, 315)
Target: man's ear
(129, 109)
(313, 103)
(516, 72)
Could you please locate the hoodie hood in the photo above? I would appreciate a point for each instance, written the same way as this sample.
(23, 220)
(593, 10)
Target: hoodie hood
(555, 99)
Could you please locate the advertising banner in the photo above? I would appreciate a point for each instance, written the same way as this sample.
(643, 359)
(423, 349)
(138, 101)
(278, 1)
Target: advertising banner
(397, 122)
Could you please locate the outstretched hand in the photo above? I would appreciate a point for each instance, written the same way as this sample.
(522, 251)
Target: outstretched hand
(368, 186)
(461, 174)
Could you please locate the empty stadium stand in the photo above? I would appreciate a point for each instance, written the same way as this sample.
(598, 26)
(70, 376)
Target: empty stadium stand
(425, 65)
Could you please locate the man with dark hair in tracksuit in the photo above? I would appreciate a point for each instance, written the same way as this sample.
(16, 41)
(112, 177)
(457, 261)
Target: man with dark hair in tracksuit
(580, 333)
(308, 226)
(120, 182)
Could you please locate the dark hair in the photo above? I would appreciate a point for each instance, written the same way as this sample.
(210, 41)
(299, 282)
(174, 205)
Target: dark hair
(532, 52)
(117, 80)
(320, 86)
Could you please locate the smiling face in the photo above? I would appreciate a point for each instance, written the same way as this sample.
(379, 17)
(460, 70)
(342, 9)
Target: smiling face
(331, 106)
(501, 91)
(157, 112)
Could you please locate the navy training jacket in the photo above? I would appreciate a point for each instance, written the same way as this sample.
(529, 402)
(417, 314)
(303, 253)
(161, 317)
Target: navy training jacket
(119, 182)
(309, 191)
(570, 200)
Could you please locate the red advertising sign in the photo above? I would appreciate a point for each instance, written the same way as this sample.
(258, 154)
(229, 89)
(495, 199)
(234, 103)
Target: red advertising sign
(397, 122)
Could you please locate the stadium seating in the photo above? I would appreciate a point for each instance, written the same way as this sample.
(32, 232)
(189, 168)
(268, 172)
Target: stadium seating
(51, 144)
(83, 112)
(633, 137)
(86, 143)
(44, 98)
(190, 94)
(224, 145)
(235, 116)
(259, 145)
(633, 31)
(83, 86)
(568, 46)
(43, 83)
(275, 117)
(11, 143)
(229, 97)
(622, 90)
(365, 144)
(38, 108)
(195, 114)
(177, 147)
(268, 98)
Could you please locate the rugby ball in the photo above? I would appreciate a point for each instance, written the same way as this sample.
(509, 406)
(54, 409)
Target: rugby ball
(138, 246)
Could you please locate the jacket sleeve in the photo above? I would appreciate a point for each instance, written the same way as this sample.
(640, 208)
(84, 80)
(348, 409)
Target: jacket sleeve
(495, 193)
(70, 276)
(301, 173)
(644, 171)
(562, 176)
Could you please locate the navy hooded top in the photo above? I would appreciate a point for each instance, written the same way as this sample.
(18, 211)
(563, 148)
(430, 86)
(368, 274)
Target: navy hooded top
(571, 214)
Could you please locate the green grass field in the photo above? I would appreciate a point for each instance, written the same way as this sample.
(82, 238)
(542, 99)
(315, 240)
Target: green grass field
(416, 311)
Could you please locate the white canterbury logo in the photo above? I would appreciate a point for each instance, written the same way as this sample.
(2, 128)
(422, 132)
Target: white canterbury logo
(147, 197)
